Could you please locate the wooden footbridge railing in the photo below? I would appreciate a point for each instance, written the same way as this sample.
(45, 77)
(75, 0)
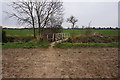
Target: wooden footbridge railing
(57, 36)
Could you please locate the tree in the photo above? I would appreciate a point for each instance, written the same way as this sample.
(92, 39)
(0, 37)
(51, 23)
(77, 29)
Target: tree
(4, 37)
(38, 13)
(48, 14)
(88, 29)
(83, 27)
(76, 27)
(72, 20)
(24, 12)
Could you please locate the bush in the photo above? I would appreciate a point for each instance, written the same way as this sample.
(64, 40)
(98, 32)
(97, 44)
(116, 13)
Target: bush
(4, 38)
(16, 39)
(93, 38)
(88, 32)
(23, 39)
(50, 31)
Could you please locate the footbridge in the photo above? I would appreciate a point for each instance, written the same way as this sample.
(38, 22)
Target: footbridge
(57, 36)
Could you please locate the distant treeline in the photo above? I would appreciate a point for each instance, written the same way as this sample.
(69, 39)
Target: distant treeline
(67, 28)
(96, 28)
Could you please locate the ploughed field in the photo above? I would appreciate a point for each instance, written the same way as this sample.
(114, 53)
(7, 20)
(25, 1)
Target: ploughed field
(60, 63)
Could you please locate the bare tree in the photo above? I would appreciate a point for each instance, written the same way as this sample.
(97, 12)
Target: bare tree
(24, 12)
(48, 13)
(72, 20)
(83, 27)
(88, 29)
(54, 20)
(89, 25)
(42, 13)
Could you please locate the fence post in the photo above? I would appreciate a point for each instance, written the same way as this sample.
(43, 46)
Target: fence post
(62, 36)
(47, 36)
(53, 37)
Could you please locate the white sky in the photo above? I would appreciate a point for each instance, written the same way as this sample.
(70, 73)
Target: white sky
(73, 0)
(101, 12)
(90, 0)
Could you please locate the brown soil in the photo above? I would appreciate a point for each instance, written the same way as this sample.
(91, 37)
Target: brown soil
(60, 63)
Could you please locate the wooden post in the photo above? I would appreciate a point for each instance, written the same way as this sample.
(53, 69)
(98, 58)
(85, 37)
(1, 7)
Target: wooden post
(62, 36)
(53, 38)
(47, 36)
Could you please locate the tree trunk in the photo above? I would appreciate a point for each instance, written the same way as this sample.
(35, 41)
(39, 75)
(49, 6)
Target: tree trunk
(34, 30)
(39, 25)
(72, 26)
(33, 25)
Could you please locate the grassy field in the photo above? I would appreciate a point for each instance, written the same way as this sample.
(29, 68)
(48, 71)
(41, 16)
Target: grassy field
(82, 31)
(31, 44)
(44, 44)
(14, 32)
(26, 32)
(82, 45)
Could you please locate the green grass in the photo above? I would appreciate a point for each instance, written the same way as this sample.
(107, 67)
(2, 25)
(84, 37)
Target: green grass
(19, 33)
(79, 45)
(110, 32)
(26, 32)
(36, 44)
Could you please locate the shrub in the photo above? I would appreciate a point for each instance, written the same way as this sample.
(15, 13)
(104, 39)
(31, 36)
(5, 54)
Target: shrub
(4, 38)
(23, 39)
(88, 32)
(93, 38)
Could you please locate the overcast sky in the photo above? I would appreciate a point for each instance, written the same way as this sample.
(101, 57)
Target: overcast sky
(100, 13)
